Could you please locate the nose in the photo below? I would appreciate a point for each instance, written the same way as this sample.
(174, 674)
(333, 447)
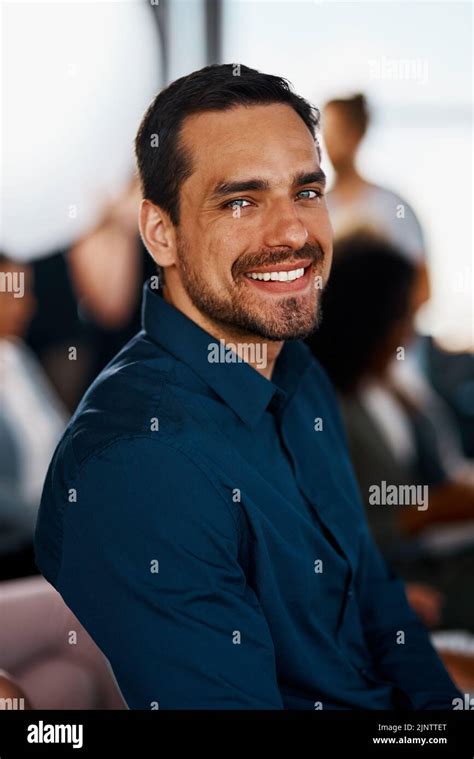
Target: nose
(284, 228)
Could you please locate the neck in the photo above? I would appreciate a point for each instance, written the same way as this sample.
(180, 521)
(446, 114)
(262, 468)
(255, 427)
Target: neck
(347, 174)
(259, 353)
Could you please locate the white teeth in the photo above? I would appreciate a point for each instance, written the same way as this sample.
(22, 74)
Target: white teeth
(276, 276)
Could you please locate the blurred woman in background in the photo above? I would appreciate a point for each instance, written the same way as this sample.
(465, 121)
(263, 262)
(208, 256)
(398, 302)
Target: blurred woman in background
(354, 203)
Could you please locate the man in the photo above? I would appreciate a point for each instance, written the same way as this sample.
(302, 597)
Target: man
(200, 516)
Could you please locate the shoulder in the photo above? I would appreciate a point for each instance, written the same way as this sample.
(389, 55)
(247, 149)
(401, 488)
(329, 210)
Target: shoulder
(131, 490)
(390, 199)
(128, 458)
(404, 223)
(133, 396)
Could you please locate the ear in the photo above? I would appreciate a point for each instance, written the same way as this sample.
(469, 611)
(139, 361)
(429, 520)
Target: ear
(157, 233)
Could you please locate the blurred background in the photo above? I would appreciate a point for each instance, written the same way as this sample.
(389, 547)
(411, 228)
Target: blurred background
(393, 82)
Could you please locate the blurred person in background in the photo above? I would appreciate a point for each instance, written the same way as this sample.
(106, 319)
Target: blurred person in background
(31, 422)
(354, 203)
(95, 287)
(368, 312)
(108, 268)
(105, 264)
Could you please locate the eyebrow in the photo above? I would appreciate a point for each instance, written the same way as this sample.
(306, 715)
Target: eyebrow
(223, 188)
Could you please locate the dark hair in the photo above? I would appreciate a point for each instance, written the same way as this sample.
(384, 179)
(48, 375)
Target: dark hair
(356, 109)
(369, 291)
(163, 164)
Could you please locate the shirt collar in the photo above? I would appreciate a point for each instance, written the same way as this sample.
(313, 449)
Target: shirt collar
(238, 384)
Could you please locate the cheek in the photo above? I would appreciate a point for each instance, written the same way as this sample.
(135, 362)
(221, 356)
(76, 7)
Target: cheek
(219, 251)
(226, 244)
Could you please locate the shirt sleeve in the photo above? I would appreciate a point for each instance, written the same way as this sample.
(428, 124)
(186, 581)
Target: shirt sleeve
(150, 567)
(400, 644)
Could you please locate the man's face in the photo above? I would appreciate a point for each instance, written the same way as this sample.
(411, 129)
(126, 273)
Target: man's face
(254, 239)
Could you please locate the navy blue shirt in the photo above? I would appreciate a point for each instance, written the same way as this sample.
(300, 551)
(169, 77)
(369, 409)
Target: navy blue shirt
(204, 525)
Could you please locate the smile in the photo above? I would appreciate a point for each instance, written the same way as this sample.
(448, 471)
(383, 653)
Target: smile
(284, 279)
(277, 276)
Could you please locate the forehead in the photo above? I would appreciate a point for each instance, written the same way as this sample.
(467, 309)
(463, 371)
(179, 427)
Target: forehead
(247, 138)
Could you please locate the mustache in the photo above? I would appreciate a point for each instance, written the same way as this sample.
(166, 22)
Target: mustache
(312, 251)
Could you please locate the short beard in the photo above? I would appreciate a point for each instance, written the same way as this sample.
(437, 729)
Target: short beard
(287, 322)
